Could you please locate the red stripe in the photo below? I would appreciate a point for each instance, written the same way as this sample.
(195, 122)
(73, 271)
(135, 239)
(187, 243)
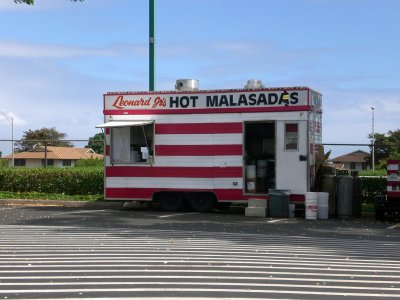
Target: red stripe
(199, 128)
(297, 198)
(178, 172)
(393, 162)
(392, 172)
(207, 110)
(222, 194)
(129, 193)
(147, 193)
(198, 150)
(107, 150)
(291, 128)
(393, 194)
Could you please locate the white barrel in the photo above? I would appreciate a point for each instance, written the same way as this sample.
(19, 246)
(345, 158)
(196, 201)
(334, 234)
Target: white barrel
(262, 168)
(250, 171)
(323, 198)
(311, 205)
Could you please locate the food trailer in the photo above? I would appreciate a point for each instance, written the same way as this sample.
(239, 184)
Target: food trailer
(210, 147)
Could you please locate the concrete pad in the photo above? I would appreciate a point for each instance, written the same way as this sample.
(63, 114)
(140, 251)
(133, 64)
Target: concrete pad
(257, 203)
(256, 212)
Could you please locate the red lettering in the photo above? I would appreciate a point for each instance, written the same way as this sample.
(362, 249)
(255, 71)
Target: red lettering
(159, 102)
(121, 103)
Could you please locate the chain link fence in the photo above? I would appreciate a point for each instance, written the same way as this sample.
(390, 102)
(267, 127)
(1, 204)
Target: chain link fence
(45, 153)
(359, 157)
(36, 153)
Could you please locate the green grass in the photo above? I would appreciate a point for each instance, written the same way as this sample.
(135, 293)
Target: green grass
(46, 196)
(373, 173)
(368, 207)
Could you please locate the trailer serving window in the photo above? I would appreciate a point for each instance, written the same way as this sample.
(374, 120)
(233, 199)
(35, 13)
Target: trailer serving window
(131, 142)
(291, 136)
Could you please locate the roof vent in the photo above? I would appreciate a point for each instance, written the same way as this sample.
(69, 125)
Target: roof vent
(187, 85)
(253, 84)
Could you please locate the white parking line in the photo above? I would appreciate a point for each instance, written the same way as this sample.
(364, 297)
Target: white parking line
(394, 226)
(7, 208)
(80, 212)
(278, 220)
(174, 215)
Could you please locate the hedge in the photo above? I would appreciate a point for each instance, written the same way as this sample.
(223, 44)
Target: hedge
(69, 181)
(89, 181)
(371, 187)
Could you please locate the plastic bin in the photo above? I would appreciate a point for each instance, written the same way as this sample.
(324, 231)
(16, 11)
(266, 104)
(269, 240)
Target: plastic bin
(278, 203)
(345, 197)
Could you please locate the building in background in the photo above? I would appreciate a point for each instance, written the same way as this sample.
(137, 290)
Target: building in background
(354, 161)
(55, 156)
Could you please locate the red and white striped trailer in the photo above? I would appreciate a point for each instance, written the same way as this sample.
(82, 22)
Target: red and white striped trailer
(391, 203)
(210, 146)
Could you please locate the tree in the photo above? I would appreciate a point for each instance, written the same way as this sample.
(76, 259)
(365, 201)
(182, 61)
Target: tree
(96, 143)
(387, 146)
(44, 136)
(32, 2)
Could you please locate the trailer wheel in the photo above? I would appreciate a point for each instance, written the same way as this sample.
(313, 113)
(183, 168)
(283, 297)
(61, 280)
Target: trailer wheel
(379, 214)
(380, 205)
(202, 202)
(222, 205)
(171, 201)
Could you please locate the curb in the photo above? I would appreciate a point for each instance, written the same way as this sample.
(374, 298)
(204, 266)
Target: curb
(74, 204)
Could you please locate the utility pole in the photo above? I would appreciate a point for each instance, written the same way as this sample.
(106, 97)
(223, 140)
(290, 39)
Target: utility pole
(373, 137)
(152, 42)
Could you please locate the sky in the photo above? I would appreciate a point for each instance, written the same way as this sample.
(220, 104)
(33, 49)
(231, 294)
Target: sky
(58, 57)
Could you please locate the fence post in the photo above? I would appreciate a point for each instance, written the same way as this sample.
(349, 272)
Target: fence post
(45, 154)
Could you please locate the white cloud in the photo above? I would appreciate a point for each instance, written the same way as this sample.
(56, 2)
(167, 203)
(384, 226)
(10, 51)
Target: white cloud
(29, 50)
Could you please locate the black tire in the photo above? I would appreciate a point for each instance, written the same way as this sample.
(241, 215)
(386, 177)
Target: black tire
(202, 202)
(222, 205)
(171, 201)
(379, 214)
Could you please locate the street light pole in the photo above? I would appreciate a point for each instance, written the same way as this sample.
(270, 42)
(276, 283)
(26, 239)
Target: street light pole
(11, 120)
(373, 137)
(152, 41)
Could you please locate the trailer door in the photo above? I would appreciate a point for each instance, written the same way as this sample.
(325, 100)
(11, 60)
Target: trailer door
(291, 156)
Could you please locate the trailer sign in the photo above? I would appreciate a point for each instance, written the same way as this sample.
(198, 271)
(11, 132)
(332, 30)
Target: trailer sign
(206, 100)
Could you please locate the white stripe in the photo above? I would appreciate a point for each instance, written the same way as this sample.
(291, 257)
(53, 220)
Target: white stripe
(171, 182)
(215, 270)
(393, 167)
(199, 161)
(197, 283)
(214, 118)
(199, 139)
(297, 278)
(231, 290)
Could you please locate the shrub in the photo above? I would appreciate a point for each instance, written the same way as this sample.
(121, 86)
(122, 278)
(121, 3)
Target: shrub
(70, 181)
(371, 187)
(91, 162)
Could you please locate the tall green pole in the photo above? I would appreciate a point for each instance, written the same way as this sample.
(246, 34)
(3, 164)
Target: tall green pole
(152, 42)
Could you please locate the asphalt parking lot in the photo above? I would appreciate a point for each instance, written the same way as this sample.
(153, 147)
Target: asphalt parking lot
(234, 220)
(61, 252)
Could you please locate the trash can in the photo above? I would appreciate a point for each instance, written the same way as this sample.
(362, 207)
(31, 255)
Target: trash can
(345, 197)
(278, 203)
